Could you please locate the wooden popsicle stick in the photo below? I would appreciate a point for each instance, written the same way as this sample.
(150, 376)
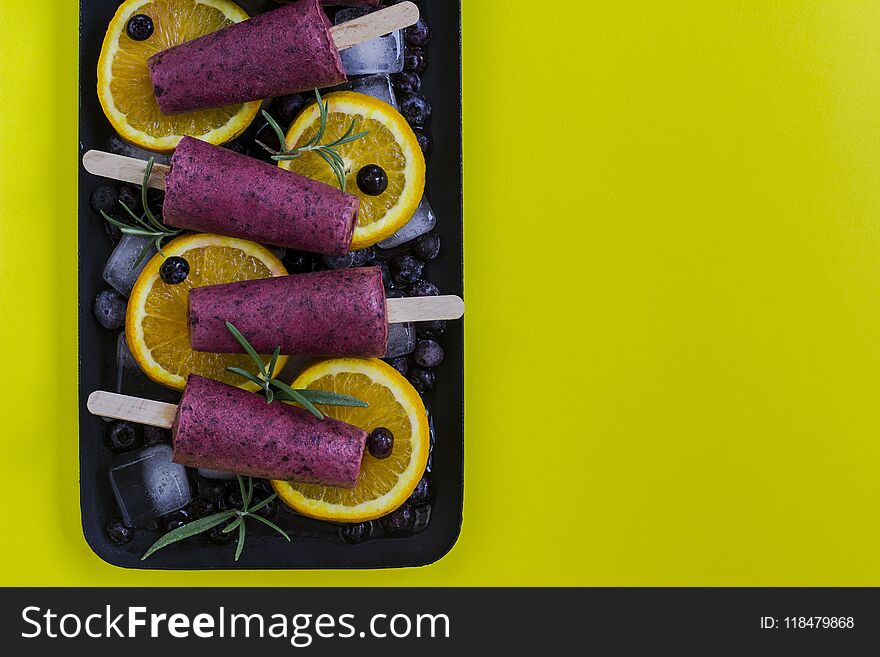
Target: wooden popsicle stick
(120, 167)
(133, 409)
(424, 309)
(374, 25)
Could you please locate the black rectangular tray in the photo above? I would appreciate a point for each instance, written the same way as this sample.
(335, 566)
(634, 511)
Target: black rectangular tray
(315, 544)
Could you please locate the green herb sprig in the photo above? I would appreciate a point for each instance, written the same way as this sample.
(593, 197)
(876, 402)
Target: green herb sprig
(327, 151)
(275, 389)
(208, 523)
(146, 226)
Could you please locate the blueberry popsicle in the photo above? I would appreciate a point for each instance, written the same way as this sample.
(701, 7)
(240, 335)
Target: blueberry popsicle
(225, 428)
(215, 190)
(289, 49)
(340, 312)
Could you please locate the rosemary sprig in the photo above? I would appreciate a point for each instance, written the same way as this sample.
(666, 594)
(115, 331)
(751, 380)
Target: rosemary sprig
(276, 389)
(146, 226)
(327, 151)
(208, 523)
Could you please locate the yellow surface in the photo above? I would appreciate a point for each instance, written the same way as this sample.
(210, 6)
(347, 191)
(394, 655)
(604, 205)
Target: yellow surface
(673, 247)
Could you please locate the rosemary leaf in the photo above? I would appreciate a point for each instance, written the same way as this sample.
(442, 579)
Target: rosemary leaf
(189, 529)
(325, 398)
(260, 505)
(250, 377)
(273, 526)
(248, 348)
(241, 536)
(232, 526)
(297, 397)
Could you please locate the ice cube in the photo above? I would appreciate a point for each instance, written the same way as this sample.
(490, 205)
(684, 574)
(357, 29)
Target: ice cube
(401, 340)
(423, 221)
(207, 473)
(148, 485)
(382, 55)
(119, 146)
(120, 270)
(377, 86)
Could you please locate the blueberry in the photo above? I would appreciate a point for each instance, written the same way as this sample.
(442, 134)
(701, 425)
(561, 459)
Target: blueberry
(113, 231)
(118, 532)
(156, 199)
(287, 107)
(415, 109)
(104, 199)
(300, 262)
(174, 270)
(201, 508)
(428, 246)
(400, 522)
(423, 289)
(431, 329)
(237, 147)
(405, 268)
(380, 443)
(418, 34)
(232, 500)
(217, 536)
(122, 436)
(109, 309)
(408, 82)
(424, 139)
(363, 257)
(422, 380)
(131, 197)
(139, 27)
(428, 353)
(155, 435)
(400, 364)
(387, 281)
(372, 180)
(356, 533)
(340, 262)
(176, 519)
(416, 60)
(269, 510)
(422, 493)
(210, 489)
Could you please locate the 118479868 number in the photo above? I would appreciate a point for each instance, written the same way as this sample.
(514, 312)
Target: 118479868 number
(819, 622)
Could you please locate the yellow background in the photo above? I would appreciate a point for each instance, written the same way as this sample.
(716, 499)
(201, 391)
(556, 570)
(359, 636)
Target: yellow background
(673, 246)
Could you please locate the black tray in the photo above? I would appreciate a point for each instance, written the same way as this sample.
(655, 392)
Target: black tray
(315, 544)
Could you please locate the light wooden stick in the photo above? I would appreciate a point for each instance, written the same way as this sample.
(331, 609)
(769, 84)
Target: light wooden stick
(133, 409)
(424, 309)
(126, 169)
(374, 25)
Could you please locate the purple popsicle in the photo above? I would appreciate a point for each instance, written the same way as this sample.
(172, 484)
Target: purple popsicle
(282, 51)
(222, 427)
(330, 313)
(216, 190)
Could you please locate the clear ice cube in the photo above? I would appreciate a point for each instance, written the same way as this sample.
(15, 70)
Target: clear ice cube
(377, 86)
(382, 55)
(423, 221)
(401, 340)
(119, 146)
(148, 485)
(207, 473)
(120, 270)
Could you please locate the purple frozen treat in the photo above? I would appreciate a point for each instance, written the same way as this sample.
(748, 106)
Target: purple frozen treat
(282, 51)
(216, 190)
(225, 428)
(339, 312)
